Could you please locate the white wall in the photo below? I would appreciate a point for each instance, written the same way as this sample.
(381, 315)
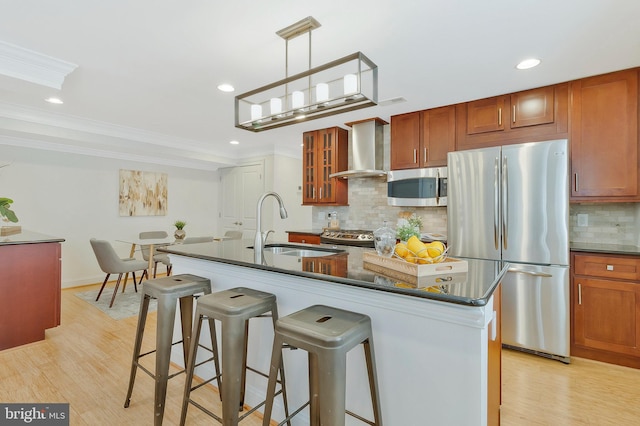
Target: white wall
(75, 197)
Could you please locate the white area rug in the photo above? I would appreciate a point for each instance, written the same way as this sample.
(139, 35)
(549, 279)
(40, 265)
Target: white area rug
(126, 305)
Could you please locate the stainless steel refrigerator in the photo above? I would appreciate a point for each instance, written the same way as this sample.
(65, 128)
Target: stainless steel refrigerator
(511, 203)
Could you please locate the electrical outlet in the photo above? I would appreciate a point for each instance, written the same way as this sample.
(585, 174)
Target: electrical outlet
(583, 219)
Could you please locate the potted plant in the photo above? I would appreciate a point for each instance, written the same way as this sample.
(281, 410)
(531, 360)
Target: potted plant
(412, 227)
(179, 234)
(7, 214)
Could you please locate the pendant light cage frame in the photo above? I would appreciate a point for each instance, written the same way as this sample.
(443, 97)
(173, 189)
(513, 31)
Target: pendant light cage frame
(342, 85)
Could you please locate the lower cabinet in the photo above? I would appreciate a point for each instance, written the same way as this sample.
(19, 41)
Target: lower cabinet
(335, 265)
(606, 308)
(29, 292)
(300, 237)
(494, 367)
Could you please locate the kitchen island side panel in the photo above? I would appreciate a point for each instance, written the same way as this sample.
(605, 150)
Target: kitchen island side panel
(431, 356)
(29, 292)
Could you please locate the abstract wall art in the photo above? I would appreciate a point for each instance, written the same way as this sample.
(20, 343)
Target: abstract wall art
(142, 193)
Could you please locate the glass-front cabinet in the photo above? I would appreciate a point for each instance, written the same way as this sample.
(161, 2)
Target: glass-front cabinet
(324, 152)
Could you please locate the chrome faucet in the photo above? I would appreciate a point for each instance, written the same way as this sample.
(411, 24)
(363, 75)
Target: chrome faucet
(261, 237)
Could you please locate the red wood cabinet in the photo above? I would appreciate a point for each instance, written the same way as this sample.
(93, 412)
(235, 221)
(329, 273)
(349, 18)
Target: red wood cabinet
(494, 367)
(324, 152)
(300, 237)
(527, 116)
(30, 292)
(422, 138)
(605, 316)
(604, 137)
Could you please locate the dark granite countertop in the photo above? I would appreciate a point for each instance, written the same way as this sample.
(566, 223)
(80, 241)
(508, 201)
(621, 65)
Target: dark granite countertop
(605, 248)
(473, 288)
(28, 237)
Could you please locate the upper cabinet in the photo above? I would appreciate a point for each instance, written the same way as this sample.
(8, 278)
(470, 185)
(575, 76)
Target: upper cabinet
(324, 152)
(604, 137)
(531, 115)
(422, 138)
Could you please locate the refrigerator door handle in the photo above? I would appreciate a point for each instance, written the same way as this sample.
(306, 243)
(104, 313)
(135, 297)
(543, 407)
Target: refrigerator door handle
(505, 207)
(496, 204)
(533, 273)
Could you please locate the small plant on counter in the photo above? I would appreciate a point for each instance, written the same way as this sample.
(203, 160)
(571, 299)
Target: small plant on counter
(412, 227)
(7, 214)
(180, 224)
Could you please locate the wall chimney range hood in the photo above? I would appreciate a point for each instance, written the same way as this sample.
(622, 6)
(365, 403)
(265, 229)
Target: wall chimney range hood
(366, 148)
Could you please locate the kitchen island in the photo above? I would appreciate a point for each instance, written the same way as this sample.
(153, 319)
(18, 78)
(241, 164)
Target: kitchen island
(30, 287)
(437, 353)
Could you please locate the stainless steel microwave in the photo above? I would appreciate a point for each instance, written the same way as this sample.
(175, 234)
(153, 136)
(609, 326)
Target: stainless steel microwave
(417, 187)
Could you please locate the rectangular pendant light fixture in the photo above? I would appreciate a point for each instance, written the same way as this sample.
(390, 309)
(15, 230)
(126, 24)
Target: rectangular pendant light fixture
(342, 85)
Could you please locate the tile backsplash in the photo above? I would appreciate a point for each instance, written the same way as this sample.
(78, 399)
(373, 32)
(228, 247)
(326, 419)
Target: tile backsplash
(368, 209)
(607, 223)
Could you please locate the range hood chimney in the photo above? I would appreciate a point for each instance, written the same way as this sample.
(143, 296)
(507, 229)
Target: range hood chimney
(367, 149)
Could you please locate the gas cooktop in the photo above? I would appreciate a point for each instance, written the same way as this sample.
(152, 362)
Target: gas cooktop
(348, 237)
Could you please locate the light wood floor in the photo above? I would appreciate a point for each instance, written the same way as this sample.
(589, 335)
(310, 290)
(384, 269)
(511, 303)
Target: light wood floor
(86, 362)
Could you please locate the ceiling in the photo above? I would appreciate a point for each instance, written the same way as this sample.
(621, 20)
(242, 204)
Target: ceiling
(147, 70)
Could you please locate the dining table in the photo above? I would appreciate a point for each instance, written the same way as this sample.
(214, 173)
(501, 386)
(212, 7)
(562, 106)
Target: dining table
(152, 243)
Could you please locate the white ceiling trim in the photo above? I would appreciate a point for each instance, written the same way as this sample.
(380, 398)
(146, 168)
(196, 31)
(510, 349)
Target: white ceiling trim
(92, 131)
(28, 65)
(83, 150)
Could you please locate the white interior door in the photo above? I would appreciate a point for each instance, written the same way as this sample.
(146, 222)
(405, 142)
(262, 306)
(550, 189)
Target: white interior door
(240, 188)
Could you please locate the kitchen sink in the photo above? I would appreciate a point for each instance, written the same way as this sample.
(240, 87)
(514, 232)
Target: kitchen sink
(299, 251)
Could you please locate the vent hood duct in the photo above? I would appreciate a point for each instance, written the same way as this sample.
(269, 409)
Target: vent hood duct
(367, 149)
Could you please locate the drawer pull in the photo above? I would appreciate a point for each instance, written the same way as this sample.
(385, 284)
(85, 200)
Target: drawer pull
(609, 267)
(579, 294)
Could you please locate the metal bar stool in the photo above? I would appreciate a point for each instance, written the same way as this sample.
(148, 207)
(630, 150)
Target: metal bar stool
(168, 291)
(327, 334)
(233, 308)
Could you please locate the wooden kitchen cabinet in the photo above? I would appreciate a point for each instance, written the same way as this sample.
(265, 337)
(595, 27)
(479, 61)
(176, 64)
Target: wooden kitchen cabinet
(605, 319)
(335, 265)
(527, 116)
(494, 366)
(604, 137)
(422, 138)
(29, 292)
(302, 237)
(324, 152)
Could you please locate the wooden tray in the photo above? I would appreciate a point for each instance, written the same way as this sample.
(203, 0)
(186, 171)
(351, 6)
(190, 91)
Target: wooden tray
(410, 272)
(10, 230)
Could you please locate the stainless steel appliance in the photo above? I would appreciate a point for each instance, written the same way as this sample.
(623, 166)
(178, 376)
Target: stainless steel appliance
(511, 203)
(348, 237)
(417, 187)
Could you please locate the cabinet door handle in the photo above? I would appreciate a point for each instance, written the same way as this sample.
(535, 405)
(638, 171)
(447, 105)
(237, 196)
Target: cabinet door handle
(425, 155)
(575, 182)
(579, 294)
(514, 113)
(494, 327)
(499, 116)
(314, 193)
(415, 155)
(320, 193)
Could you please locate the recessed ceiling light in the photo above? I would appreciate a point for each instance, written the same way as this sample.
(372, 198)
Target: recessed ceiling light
(53, 100)
(226, 88)
(234, 143)
(528, 63)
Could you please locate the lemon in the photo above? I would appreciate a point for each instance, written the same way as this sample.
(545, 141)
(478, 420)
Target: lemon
(435, 249)
(415, 245)
(401, 250)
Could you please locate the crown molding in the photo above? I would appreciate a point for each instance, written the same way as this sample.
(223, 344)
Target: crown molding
(28, 65)
(34, 128)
